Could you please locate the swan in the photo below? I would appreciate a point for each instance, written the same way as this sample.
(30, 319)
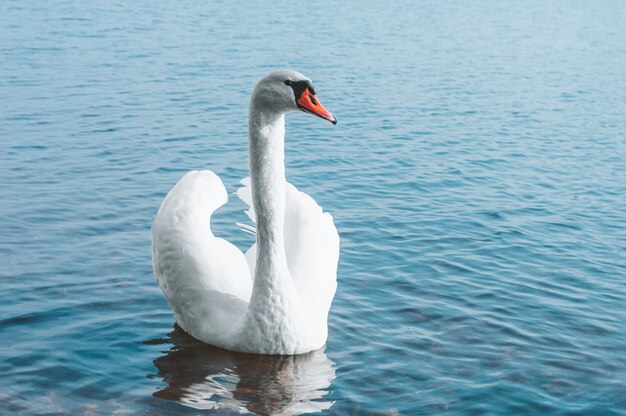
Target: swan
(275, 298)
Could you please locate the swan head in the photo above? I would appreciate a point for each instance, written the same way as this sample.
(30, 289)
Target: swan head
(286, 91)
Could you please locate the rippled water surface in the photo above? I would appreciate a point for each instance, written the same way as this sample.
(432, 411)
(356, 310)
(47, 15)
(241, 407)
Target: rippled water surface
(477, 178)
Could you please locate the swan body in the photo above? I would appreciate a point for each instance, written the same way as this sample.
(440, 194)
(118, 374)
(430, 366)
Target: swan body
(275, 298)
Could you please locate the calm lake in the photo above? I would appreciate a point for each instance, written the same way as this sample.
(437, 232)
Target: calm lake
(477, 177)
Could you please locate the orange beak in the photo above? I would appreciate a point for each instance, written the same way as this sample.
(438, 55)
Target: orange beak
(309, 103)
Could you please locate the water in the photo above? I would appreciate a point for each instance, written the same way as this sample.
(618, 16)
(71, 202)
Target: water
(477, 177)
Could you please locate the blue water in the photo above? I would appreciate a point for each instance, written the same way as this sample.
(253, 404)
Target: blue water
(477, 178)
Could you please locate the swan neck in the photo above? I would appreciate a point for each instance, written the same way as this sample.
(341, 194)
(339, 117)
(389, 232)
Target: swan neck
(267, 174)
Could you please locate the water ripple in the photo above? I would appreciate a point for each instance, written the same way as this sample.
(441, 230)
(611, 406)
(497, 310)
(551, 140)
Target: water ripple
(476, 176)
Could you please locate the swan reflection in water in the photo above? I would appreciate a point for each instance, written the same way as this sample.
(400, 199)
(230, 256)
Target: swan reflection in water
(205, 377)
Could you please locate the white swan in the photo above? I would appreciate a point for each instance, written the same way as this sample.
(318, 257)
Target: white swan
(276, 298)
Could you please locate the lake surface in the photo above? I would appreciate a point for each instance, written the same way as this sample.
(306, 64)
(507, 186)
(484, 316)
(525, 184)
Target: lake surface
(477, 177)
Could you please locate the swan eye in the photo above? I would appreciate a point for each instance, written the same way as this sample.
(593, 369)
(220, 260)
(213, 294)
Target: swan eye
(288, 83)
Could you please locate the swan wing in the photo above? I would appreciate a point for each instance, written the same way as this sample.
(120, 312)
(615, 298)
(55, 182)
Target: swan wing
(311, 245)
(205, 278)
